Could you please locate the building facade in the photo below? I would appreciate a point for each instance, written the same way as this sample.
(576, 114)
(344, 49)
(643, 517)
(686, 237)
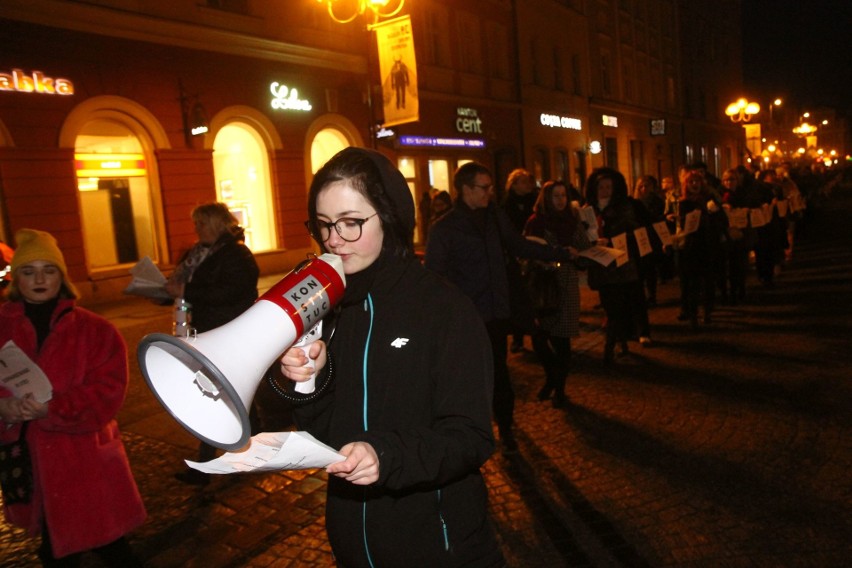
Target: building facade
(117, 117)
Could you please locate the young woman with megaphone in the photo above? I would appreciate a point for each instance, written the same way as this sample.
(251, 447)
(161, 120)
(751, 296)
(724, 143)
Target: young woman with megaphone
(403, 384)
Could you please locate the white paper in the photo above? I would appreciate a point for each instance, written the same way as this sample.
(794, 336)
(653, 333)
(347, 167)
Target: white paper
(643, 241)
(738, 218)
(147, 281)
(663, 232)
(620, 242)
(588, 216)
(757, 218)
(691, 221)
(603, 255)
(273, 451)
(21, 376)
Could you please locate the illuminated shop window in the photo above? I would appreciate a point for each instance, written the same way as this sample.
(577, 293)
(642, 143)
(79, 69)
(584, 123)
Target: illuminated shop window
(243, 183)
(115, 199)
(327, 143)
(439, 175)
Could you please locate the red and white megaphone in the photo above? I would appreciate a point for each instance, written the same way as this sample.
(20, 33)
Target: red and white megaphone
(207, 382)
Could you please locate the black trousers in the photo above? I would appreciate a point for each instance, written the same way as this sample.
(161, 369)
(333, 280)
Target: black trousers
(504, 394)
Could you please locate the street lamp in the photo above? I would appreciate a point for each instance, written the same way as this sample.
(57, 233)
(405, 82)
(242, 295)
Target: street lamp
(379, 8)
(804, 129)
(742, 110)
(773, 104)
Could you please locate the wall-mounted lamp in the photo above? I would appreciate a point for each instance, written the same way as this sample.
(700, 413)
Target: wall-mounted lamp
(379, 8)
(198, 120)
(194, 116)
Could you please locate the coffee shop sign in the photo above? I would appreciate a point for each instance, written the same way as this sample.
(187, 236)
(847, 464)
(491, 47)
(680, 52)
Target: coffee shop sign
(287, 99)
(555, 121)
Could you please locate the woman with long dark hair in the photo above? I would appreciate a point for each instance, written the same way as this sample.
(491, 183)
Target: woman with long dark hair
(556, 222)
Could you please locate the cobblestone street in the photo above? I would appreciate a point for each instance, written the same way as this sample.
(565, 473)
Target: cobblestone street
(729, 446)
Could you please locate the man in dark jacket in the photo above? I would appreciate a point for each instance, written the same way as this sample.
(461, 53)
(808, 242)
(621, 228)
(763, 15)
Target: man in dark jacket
(469, 247)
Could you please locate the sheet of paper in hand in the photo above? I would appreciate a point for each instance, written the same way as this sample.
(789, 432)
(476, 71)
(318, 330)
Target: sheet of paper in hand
(273, 451)
(21, 376)
(148, 281)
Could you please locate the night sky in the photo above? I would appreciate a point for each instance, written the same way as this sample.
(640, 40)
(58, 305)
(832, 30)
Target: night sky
(799, 50)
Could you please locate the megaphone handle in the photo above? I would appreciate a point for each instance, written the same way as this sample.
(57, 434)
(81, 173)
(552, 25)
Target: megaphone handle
(307, 387)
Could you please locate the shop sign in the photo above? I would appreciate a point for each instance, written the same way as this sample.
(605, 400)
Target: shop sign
(109, 165)
(658, 126)
(556, 121)
(35, 82)
(382, 132)
(610, 120)
(468, 121)
(441, 142)
(286, 98)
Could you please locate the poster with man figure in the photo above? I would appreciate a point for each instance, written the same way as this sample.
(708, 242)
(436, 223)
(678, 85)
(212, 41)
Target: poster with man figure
(398, 69)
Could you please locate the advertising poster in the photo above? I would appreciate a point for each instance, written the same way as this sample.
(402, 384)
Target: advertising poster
(398, 71)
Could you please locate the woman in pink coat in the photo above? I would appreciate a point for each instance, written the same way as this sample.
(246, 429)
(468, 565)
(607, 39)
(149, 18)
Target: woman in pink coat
(84, 496)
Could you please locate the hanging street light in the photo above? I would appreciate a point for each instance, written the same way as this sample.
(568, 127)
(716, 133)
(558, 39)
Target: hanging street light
(379, 8)
(742, 110)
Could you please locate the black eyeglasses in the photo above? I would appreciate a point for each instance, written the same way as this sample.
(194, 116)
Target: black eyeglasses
(348, 228)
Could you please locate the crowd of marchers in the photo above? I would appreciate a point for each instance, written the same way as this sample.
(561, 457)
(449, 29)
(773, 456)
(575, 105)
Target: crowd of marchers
(712, 237)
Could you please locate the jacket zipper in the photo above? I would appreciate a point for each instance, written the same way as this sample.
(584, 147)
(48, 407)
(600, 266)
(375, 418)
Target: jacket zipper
(368, 307)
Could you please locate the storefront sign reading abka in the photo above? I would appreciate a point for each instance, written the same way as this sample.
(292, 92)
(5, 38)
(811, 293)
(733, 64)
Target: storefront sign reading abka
(35, 82)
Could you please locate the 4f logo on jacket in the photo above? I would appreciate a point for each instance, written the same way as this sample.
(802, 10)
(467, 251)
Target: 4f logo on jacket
(399, 342)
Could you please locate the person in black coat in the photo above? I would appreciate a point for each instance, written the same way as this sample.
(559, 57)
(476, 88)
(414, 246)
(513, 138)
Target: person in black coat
(470, 247)
(403, 386)
(518, 202)
(701, 250)
(218, 277)
(621, 290)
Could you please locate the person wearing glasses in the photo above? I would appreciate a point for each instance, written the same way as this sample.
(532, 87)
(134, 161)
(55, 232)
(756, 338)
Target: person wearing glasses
(403, 386)
(469, 247)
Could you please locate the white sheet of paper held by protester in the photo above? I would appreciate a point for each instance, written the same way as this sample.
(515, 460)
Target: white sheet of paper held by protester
(603, 255)
(147, 281)
(273, 451)
(21, 376)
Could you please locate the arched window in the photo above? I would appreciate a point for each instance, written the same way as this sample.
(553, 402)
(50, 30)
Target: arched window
(115, 196)
(326, 143)
(243, 182)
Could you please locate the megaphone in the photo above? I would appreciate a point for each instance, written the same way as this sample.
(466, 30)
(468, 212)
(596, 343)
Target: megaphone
(207, 382)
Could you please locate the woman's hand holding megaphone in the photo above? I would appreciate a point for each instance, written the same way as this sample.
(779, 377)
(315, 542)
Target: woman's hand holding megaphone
(296, 361)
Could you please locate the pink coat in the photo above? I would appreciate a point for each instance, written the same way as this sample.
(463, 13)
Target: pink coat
(83, 483)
